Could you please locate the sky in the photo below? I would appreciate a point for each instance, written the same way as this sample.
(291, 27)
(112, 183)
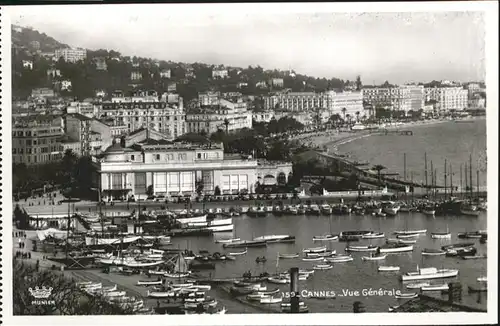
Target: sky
(399, 47)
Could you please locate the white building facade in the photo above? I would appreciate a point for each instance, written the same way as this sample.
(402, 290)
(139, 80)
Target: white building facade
(448, 98)
(71, 54)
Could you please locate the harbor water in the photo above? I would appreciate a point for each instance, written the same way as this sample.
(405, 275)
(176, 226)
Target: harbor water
(447, 140)
(357, 275)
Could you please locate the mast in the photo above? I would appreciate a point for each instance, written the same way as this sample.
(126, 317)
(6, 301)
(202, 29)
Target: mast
(404, 165)
(477, 182)
(445, 180)
(435, 184)
(451, 181)
(461, 179)
(432, 179)
(425, 170)
(413, 192)
(470, 172)
(466, 180)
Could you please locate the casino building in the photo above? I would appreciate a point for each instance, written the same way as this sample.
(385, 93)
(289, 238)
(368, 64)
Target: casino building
(179, 169)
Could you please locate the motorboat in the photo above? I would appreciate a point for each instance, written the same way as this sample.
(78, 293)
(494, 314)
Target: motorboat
(417, 285)
(393, 248)
(238, 253)
(407, 236)
(374, 235)
(433, 252)
(314, 250)
(278, 280)
(473, 257)
(271, 237)
(472, 235)
(149, 283)
(339, 259)
(176, 275)
(429, 273)
(374, 257)
(410, 232)
(313, 259)
(256, 296)
(441, 235)
(160, 295)
(369, 248)
(406, 295)
(326, 209)
(327, 253)
(244, 244)
(435, 287)
(388, 268)
(323, 267)
(357, 234)
(271, 300)
(407, 241)
(429, 211)
(326, 237)
(390, 208)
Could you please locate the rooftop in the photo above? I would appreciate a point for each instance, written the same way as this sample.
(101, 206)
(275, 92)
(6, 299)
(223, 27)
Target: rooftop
(79, 116)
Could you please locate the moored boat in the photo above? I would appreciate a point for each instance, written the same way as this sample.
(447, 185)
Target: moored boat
(429, 273)
(339, 259)
(323, 267)
(417, 285)
(314, 250)
(406, 295)
(388, 268)
(228, 240)
(374, 257)
(368, 248)
(288, 256)
(392, 248)
(441, 235)
(313, 258)
(374, 235)
(326, 237)
(238, 253)
(149, 283)
(410, 232)
(278, 280)
(435, 287)
(433, 252)
(271, 300)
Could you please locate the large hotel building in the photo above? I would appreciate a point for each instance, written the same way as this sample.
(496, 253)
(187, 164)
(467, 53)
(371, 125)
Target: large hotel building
(332, 101)
(448, 98)
(176, 169)
(402, 98)
(146, 112)
(71, 55)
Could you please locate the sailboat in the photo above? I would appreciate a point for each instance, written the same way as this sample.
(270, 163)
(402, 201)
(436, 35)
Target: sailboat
(441, 235)
(280, 279)
(326, 237)
(181, 268)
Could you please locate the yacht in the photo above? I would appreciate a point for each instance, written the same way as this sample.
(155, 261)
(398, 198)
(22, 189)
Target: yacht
(429, 273)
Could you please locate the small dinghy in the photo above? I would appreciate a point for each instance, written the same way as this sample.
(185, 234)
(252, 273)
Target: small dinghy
(362, 248)
(323, 267)
(374, 257)
(435, 287)
(417, 285)
(270, 292)
(176, 275)
(257, 296)
(441, 235)
(388, 268)
(313, 259)
(278, 280)
(159, 295)
(314, 250)
(321, 254)
(271, 300)
(327, 237)
(288, 256)
(374, 235)
(238, 253)
(339, 259)
(228, 240)
(149, 283)
(433, 252)
(407, 236)
(406, 295)
(407, 241)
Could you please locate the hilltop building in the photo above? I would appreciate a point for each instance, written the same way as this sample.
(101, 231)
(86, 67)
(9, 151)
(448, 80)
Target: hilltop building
(71, 55)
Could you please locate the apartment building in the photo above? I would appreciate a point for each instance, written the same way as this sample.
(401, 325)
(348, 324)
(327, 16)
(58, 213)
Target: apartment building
(71, 54)
(448, 98)
(35, 139)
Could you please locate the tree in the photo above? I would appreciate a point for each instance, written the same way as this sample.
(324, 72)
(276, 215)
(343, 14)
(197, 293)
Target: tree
(21, 218)
(149, 191)
(379, 169)
(357, 116)
(359, 85)
(217, 191)
(344, 110)
(226, 123)
(199, 187)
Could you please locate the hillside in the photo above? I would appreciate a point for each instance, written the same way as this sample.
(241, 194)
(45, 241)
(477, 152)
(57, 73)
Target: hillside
(189, 79)
(24, 38)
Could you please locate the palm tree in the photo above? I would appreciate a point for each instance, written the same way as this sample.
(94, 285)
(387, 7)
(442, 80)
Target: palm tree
(226, 123)
(348, 118)
(379, 168)
(357, 116)
(343, 112)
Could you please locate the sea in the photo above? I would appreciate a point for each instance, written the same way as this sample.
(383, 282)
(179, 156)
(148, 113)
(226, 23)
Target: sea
(359, 280)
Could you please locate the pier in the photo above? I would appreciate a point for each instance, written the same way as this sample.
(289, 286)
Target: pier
(397, 132)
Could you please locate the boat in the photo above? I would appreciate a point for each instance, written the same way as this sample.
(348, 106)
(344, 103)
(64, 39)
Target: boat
(245, 244)
(407, 236)
(469, 210)
(270, 292)
(406, 241)
(369, 248)
(429, 273)
(288, 256)
(390, 208)
(388, 268)
(228, 240)
(159, 295)
(314, 209)
(258, 260)
(278, 280)
(339, 259)
(472, 235)
(435, 287)
(458, 246)
(302, 309)
(393, 308)
(482, 279)
(326, 237)
(271, 300)
(326, 209)
(441, 235)
(256, 296)
(271, 237)
(473, 256)
(406, 295)
(417, 285)
(192, 219)
(238, 253)
(327, 253)
(289, 304)
(306, 271)
(241, 290)
(323, 267)
(374, 235)
(313, 258)
(428, 211)
(410, 232)
(149, 283)
(482, 288)
(392, 248)
(433, 252)
(374, 257)
(314, 250)
(354, 234)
